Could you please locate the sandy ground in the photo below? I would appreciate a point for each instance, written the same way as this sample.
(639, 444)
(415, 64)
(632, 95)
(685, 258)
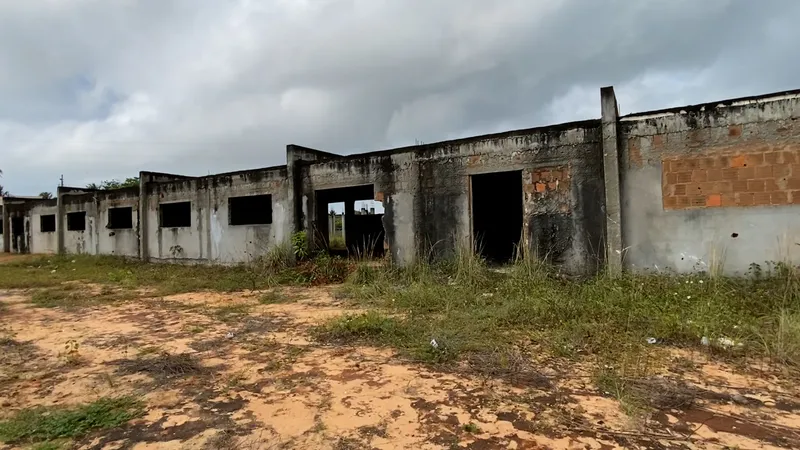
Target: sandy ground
(263, 383)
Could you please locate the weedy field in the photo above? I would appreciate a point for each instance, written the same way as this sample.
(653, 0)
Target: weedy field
(99, 352)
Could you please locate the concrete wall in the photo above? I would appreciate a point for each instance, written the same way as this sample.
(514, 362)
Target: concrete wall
(715, 185)
(3, 226)
(425, 191)
(682, 189)
(43, 242)
(118, 241)
(211, 238)
(80, 241)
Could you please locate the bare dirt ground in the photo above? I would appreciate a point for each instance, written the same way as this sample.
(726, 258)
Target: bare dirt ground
(223, 371)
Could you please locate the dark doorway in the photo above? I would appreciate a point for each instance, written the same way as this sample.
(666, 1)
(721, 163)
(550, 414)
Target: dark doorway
(497, 214)
(352, 214)
(18, 238)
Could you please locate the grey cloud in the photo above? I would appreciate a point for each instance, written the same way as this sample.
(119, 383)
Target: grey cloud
(192, 87)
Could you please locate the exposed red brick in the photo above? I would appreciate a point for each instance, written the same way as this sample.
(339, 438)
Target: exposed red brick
(762, 198)
(755, 185)
(781, 170)
(746, 173)
(553, 185)
(706, 163)
(672, 178)
(745, 199)
(728, 200)
(474, 160)
(379, 196)
(699, 175)
(740, 186)
(796, 197)
(755, 159)
(764, 172)
(738, 161)
(658, 141)
(698, 201)
(541, 187)
(677, 165)
(772, 158)
(714, 174)
(771, 185)
(735, 130)
(779, 198)
(529, 188)
(730, 174)
(724, 187)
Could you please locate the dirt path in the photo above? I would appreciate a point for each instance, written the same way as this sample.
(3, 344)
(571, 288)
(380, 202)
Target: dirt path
(223, 371)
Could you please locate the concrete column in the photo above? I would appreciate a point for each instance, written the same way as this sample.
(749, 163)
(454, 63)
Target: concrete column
(6, 230)
(144, 253)
(295, 191)
(60, 216)
(611, 172)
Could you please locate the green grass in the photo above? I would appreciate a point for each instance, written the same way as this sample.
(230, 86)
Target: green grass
(271, 270)
(71, 296)
(468, 308)
(231, 312)
(42, 425)
(274, 297)
(472, 428)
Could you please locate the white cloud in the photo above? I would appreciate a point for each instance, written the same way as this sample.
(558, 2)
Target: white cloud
(101, 89)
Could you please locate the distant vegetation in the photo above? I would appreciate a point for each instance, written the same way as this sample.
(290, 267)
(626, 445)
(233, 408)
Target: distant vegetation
(115, 184)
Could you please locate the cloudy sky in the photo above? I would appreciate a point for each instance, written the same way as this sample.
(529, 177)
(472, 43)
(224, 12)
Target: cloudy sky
(100, 89)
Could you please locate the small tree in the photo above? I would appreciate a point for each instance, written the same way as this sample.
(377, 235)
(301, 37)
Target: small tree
(114, 184)
(46, 195)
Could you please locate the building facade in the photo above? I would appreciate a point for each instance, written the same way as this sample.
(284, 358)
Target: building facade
(693, 188)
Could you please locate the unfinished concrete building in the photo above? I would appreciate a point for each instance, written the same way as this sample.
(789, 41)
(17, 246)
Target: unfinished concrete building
(691, 188)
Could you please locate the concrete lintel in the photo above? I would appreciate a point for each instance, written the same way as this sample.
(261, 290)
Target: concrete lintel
(611, 172)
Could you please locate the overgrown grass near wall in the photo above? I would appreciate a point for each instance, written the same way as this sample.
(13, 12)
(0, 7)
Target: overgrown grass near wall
(468, 309)
(273, 269)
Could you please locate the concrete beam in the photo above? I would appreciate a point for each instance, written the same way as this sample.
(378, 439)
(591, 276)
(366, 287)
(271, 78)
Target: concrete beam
(611, 172)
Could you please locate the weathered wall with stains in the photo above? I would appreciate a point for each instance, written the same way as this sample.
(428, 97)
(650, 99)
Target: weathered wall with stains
(77, 241)
(715, 185)
(21, 218)
(118, 241)
(425, 191)
(2, 228)
(43, 241)
(210, 237)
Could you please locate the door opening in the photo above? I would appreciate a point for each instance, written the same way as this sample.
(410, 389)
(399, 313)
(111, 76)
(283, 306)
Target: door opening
(497, 214)
(349, 221)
